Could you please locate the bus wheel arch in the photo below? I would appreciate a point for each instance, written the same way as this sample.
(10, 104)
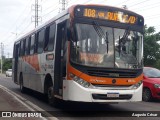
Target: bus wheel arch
(47, 82)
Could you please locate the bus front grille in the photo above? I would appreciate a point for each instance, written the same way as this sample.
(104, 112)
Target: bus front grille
(114, 73)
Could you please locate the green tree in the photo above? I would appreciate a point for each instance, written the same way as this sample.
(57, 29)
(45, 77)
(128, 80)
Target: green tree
(151, 48)
(7, 64)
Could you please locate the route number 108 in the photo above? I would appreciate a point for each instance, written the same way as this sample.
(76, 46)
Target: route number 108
(89, 12)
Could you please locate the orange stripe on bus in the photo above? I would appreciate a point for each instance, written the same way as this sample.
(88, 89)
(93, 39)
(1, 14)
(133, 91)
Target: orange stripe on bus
(103, 80)
(33, 61)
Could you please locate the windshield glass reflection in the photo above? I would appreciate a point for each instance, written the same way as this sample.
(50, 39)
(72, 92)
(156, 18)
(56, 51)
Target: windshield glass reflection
(128, 49)
(151, 72)
(102, 46)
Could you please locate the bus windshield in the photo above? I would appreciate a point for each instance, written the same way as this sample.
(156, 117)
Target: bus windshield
(101, 46)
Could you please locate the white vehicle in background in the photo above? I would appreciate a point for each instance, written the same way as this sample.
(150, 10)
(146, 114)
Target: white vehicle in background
(9, 73)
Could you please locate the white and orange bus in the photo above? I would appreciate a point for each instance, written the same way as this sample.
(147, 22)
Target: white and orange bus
(88, 53)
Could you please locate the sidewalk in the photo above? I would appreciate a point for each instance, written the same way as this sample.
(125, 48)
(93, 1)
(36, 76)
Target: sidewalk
(11, 107)
(9, 103)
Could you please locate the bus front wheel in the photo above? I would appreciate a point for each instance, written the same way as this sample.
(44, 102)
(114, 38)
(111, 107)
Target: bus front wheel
(51, 99)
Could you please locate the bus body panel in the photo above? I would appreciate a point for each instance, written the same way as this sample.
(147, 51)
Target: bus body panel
(35, 68)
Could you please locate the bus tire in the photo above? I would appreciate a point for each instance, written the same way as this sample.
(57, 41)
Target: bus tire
(51, 99)
(22, 88)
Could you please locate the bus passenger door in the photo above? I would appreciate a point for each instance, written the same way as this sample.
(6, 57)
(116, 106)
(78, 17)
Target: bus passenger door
(60, 59)
(16, 58)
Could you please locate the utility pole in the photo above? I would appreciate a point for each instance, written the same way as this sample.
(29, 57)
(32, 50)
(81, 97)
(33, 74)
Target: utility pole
(64, 4)
(1, 58)
(36, 8)
(36, 13)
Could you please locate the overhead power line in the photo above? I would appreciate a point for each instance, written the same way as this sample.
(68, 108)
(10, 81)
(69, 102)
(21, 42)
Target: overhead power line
(148, 8)
(122, 2)
(138, 3)
(71, 2)
(50, 12)
(87, 1)
(50, 7)
(15, 23)
(148, 17)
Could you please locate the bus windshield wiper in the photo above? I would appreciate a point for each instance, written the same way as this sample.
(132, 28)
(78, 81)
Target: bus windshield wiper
(101, 33)
(125, 36)
(107, 42)
(123, 39)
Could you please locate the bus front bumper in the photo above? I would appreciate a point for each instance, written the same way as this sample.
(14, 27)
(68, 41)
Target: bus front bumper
(72, 91)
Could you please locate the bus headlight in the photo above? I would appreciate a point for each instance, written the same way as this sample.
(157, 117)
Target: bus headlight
(137, 85)
(80, 81)
(157, 85)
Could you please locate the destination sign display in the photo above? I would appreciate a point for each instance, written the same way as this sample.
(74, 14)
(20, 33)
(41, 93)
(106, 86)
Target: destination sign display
(114, 16)
(109, 14)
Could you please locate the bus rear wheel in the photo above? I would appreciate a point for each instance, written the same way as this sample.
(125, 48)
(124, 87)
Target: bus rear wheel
(22, 88)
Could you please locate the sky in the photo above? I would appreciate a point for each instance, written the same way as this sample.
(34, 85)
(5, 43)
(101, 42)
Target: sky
(16, 16)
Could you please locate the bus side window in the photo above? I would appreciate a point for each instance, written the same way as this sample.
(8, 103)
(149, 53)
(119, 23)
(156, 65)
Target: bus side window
(24, 44)
(50, 38)
(27, 46)
(32, 45)
(16, 50)
(35, 43)
(14, 54)
(22, 47)
(41, 40)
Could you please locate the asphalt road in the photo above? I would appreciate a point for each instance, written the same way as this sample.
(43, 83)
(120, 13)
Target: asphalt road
(86, 111)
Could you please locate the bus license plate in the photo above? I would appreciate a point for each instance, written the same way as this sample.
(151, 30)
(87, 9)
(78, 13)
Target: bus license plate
(112, 95)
